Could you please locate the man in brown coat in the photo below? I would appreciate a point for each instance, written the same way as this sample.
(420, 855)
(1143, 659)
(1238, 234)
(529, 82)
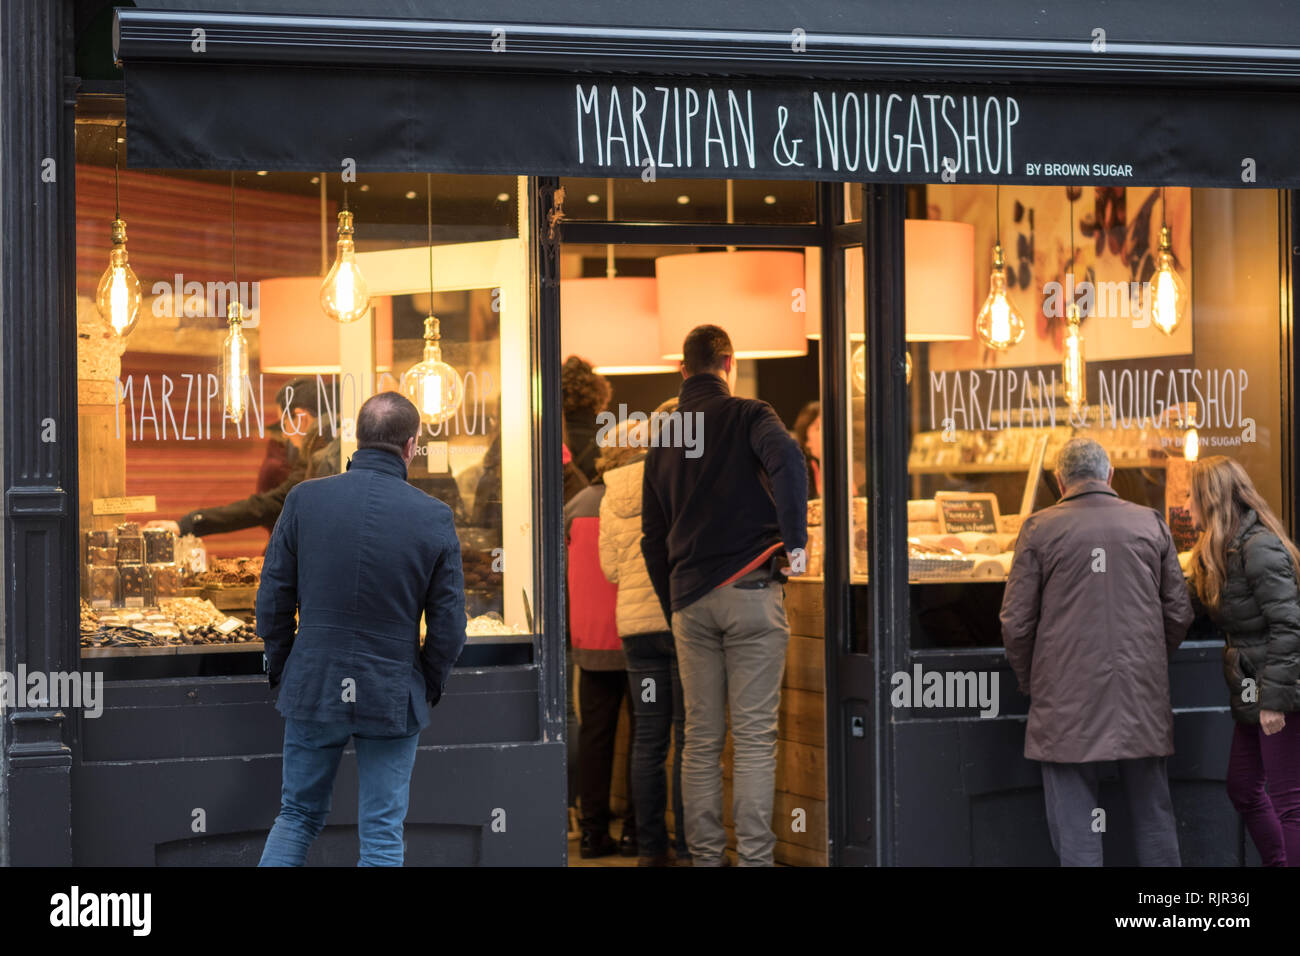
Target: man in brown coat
(1094, 605)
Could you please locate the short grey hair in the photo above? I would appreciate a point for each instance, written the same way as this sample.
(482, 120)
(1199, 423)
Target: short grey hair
(1081, 459)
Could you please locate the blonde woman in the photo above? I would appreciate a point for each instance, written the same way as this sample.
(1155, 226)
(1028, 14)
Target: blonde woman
(655, 683)
(1246, 572)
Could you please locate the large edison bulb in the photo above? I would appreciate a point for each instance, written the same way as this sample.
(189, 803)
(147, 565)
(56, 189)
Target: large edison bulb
(234, 363)
(1169, 298)
(859, 362)
(433, 386)
(344, 295)
(998, 325)
(1073, 366)
(1191, 445)
(118, 296)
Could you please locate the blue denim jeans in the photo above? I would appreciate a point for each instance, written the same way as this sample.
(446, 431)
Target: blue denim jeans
(311, 759)
(657, 703)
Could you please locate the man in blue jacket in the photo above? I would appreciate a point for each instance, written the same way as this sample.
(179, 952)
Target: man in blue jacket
(360, 557)
(719, 517)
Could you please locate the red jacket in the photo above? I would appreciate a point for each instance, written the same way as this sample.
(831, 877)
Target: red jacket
(592, 599)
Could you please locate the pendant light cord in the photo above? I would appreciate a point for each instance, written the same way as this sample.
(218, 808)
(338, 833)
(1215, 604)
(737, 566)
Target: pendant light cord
(428, 188)
(1071, 232)
(117, 204)
(234, 269)
(997, 212)
(1163, 224)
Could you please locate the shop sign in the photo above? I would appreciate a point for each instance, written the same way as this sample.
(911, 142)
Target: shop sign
(639, 126)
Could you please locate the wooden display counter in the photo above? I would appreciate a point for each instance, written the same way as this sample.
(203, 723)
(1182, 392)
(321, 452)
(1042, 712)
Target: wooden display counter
(799, 808)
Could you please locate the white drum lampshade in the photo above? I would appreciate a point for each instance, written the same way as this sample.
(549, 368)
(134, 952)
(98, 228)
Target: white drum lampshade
(296, 338)
(751, 294)
(940, 280)
(613, 324)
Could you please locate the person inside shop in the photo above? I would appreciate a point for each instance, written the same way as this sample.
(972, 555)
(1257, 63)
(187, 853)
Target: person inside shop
(314, 455)
(714, 527)
(278, 460)
(585, 394)
(808, 433)
(358, 558)
(1246, 573)
(602, 669)
(653, 678)
(1094, 605)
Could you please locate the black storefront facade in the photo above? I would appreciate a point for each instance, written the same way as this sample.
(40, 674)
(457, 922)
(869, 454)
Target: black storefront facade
(289, 86)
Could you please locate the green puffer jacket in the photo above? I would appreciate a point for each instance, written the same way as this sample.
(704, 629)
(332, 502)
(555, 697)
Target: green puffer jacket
(1259, 612)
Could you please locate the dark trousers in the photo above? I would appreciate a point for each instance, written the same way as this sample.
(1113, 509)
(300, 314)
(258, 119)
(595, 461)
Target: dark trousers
(600, 696)
(656, 689)
(1272, 815)
(1076, 826)
(570, 729)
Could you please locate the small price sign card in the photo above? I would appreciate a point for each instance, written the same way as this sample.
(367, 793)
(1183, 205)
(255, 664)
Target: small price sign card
(967, 512)
(139, 504)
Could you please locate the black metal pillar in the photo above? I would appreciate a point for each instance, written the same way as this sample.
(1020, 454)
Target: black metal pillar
(837, 452)
(546, 199)
(883, 214)
(38, 333)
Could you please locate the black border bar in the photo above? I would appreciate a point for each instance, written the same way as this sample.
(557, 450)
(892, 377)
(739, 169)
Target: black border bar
(301, 40)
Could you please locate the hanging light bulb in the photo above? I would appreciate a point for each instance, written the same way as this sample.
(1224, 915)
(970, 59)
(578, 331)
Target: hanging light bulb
(998, 325)
(344, 295)
(1191, 445)
(1073, 366)
(859, 360)
(1169, 298)
(118, 296)
(907, 366)
(234, 362)
(433, 386)
(234, 350)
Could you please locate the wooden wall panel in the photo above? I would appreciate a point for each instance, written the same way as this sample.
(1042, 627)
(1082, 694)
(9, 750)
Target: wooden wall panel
(182, 225)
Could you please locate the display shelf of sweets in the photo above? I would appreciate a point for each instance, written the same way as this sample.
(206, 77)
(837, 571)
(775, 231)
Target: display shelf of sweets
(175, 626)
(101, 557)
(130, 544)
(165, 579)
(226, 573)
(133, 584)
(229, 583)
(103, 583)
(159, 546)
(491, 628)
(103, 538)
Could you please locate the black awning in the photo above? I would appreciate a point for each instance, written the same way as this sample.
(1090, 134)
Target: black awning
(281, 93)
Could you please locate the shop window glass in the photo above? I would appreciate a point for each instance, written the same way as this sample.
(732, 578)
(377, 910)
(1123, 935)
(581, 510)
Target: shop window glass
(156, 448)
(987, 423)
(852, 202)
(690, 200)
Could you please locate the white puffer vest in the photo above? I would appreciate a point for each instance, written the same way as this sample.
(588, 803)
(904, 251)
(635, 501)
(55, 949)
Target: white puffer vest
(638, 610)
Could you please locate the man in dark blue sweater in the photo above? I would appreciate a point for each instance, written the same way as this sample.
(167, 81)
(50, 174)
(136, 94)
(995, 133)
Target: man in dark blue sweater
(719, 515)
(360, 558)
